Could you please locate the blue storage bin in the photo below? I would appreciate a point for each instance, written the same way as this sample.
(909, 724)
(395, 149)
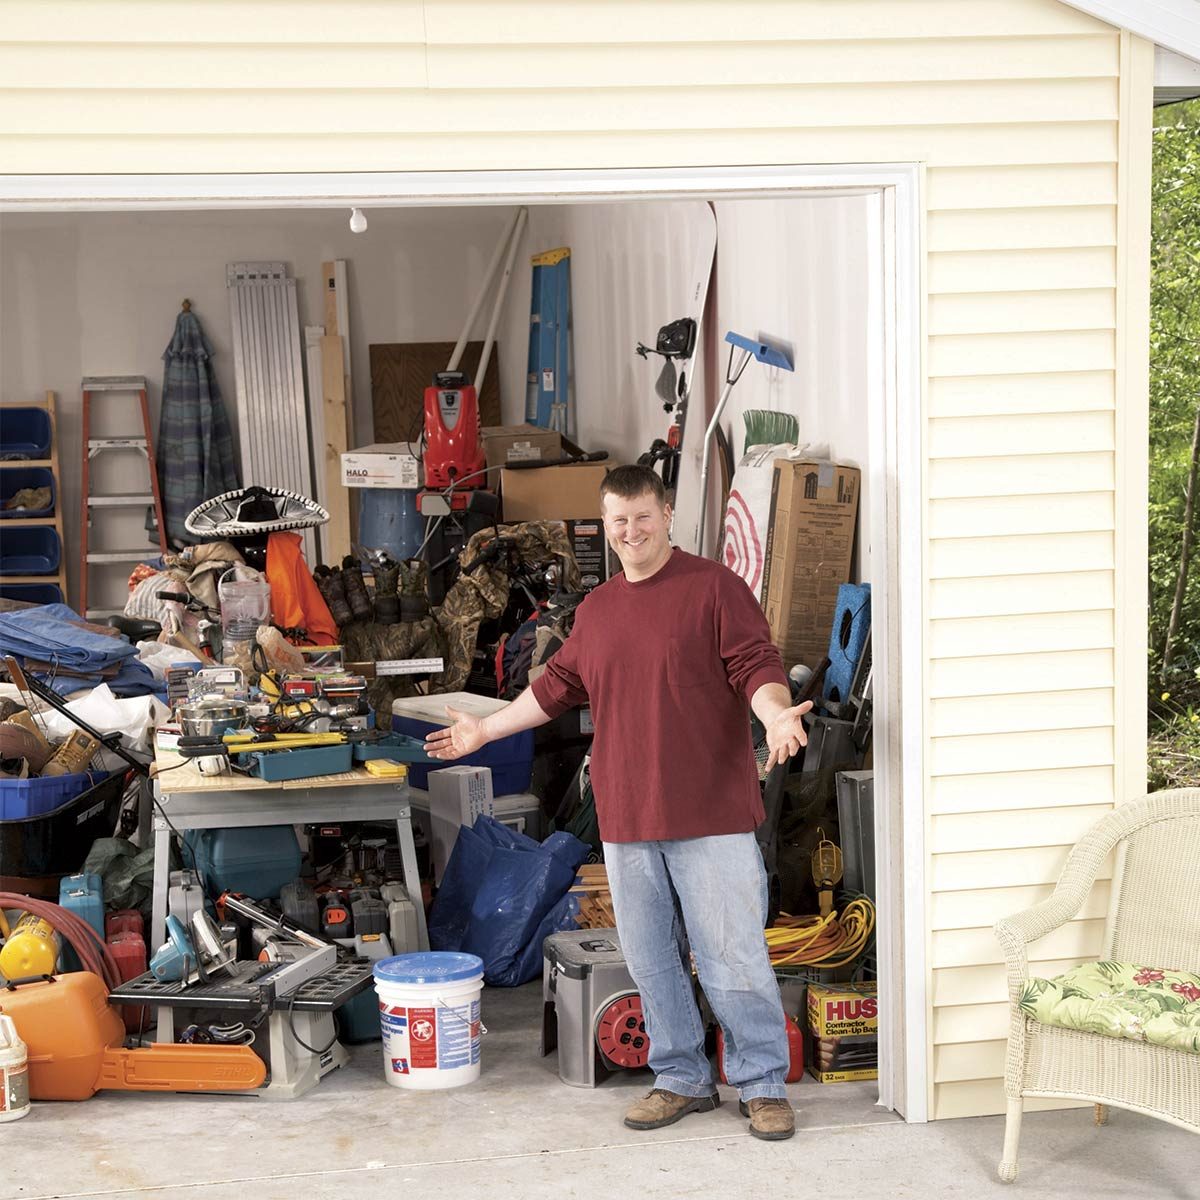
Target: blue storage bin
(510, 758)
(30, 550)
(25, 431)
(257, 861)
(23, 798)
(32, 593)
(13, 479)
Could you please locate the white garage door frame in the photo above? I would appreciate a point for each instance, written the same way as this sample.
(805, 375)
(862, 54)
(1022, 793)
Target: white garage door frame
(896, 464)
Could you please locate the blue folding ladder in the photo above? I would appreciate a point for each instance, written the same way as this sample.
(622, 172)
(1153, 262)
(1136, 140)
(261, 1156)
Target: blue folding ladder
(547, 399)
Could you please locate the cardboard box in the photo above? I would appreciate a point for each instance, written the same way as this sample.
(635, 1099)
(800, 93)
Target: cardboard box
(843, 1031)
(457, 795)
(595, 559)
(384, 465)
(570, 494)
(520, 443)
(810, 538)
(566, 493)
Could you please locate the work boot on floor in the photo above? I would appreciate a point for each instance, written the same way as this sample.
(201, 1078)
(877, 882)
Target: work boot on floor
(329, 584)
(414, 597)
(387, 603)
(660, 1107)
(770, 1119)
(355, 589)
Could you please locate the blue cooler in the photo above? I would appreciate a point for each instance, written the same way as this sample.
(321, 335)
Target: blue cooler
(258, 861)
(510, 758)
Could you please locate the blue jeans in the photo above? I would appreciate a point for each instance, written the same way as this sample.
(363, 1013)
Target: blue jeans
(709, 893)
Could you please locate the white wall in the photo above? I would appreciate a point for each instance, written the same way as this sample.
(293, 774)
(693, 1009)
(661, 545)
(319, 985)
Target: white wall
(95, 294)
(793, 271)
(98, 294)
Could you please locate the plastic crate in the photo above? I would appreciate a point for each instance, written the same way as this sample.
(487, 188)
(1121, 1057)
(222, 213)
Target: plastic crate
(30, 550)
(58, 842)
(13, 479)
(32, 593)
(25, 431)
(22, 798)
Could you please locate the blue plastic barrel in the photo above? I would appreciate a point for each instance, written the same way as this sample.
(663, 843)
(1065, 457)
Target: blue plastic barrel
(388, 520)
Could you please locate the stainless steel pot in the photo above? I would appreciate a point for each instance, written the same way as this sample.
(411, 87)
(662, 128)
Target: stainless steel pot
(211, 718)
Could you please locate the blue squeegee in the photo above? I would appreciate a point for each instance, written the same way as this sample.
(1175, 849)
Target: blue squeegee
(741, 351)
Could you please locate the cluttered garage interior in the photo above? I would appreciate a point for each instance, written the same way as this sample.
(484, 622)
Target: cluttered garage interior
(281, 486)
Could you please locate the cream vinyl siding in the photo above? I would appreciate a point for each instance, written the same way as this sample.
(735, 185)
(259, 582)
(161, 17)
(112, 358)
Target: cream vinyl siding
(1032, 120)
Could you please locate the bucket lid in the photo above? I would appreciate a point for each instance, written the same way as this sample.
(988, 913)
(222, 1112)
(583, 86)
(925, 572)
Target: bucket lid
(431, 966)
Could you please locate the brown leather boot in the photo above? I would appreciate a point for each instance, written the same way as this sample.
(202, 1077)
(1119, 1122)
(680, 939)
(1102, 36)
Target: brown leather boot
(659, 1107)
(770, 1119)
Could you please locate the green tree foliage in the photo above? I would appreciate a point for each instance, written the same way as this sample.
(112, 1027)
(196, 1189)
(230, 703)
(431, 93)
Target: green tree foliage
(1174, 388)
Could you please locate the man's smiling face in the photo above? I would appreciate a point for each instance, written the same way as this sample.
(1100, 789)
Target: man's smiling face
(638, 529)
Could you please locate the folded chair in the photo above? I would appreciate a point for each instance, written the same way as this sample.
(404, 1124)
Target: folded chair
(1125, 1030)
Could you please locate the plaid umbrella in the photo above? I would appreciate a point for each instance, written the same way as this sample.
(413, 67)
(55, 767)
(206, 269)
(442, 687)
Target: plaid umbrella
(195, 446)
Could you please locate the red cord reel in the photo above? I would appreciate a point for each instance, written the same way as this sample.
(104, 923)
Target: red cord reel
(621, 1033)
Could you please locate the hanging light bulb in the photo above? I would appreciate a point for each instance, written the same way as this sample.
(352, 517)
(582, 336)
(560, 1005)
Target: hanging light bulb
(358, 222)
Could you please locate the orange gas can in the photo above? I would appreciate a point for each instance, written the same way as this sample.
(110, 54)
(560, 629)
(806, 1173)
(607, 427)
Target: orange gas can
(74, 1039)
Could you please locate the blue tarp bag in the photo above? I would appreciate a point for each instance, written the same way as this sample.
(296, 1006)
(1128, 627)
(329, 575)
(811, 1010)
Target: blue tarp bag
(501, 895)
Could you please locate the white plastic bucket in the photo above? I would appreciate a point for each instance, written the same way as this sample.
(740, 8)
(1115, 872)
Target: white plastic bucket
(429, 1018)
(14, 1072)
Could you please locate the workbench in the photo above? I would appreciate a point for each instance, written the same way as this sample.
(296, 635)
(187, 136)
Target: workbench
(188, 800)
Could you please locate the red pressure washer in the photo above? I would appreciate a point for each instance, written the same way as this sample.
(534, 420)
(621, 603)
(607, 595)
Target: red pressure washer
(454, 457)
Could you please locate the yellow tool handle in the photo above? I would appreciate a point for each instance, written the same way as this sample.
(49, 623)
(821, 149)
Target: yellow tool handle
(284, 739)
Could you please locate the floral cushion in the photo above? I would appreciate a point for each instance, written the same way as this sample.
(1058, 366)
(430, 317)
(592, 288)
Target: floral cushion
(1120, 1000)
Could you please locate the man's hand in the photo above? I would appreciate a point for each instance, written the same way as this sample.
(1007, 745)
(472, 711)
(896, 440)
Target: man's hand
(464, 736)
(785, 734)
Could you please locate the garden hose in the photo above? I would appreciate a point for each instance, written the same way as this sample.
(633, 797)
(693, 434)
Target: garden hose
(814, 941)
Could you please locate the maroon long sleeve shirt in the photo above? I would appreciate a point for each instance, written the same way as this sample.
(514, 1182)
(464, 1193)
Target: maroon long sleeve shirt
(669, 665)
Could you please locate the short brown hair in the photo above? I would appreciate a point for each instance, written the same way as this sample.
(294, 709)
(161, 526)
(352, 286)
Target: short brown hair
(631, 482)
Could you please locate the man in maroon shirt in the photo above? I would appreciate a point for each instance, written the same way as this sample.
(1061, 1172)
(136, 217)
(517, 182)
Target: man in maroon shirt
(669, 654)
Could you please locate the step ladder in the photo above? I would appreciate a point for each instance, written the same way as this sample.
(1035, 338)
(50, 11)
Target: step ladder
(547, 389)
(54, 519)
(148, 498)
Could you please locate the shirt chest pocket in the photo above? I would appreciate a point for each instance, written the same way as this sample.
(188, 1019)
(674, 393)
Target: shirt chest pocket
(693, 662)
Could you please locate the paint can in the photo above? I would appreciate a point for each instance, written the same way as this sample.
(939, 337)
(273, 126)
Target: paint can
(429, 1018)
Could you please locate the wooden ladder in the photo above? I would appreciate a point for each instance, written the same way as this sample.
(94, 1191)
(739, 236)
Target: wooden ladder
(53, 520)
(143, 446)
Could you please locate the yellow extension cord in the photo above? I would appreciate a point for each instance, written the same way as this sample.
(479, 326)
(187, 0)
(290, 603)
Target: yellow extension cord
(832, 941)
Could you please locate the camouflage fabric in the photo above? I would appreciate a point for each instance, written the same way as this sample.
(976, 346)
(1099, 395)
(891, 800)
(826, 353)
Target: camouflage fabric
(483, 594)
(367, 641)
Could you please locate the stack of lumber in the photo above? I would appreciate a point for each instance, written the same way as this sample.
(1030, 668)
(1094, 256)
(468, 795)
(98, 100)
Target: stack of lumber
(595, 900)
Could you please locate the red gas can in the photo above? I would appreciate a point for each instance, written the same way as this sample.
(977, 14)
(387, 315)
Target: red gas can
(123, 920)
(130, 952)
(795, 1050)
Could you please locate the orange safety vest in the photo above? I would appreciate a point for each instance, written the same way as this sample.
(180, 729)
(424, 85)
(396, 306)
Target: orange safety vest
(295, 601)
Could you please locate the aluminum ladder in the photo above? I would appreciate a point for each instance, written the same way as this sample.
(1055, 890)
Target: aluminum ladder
(90, 503)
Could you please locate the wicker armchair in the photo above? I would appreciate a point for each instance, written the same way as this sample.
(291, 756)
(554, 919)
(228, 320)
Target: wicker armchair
(1153, 920)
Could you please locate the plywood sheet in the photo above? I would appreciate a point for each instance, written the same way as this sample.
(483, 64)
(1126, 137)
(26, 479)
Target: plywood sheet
(400, 373)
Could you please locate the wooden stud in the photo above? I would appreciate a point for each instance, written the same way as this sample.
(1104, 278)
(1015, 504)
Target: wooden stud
(336, 535)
